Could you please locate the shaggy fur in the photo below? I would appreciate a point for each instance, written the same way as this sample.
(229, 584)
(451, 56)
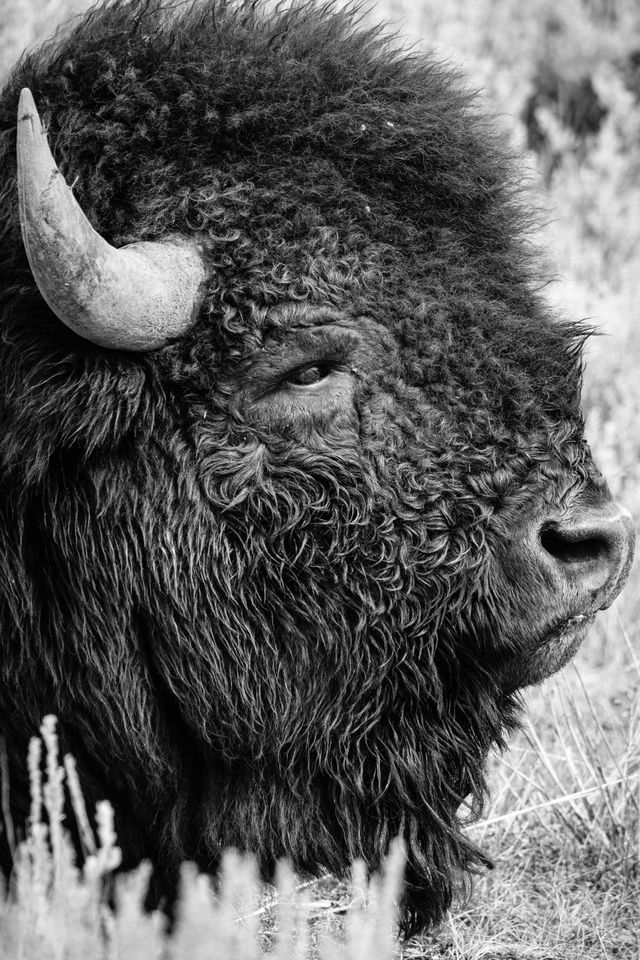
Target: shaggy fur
(286, 622)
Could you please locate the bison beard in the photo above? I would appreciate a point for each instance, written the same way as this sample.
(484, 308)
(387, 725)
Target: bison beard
(262, 573)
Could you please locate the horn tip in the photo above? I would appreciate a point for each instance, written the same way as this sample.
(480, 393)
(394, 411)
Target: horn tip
(27, 110)
(26, 101)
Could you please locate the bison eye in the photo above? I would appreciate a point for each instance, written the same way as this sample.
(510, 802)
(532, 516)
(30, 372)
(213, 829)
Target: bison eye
(308, 376)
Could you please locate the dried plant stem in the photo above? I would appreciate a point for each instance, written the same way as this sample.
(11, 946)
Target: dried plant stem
(7, 819)
(567, 798)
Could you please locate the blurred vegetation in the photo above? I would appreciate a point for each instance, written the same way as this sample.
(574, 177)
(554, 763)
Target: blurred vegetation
(563, 78)
(58, 911)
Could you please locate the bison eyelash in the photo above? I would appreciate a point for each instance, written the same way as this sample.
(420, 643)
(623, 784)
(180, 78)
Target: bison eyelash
(324, 369)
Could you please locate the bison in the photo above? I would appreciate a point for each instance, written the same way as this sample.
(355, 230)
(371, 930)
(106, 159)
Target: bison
(295, 492)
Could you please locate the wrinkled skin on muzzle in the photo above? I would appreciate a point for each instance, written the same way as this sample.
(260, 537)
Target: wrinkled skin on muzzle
(281, 577)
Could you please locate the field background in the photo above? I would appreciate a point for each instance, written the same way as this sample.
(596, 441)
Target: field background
(563, 826)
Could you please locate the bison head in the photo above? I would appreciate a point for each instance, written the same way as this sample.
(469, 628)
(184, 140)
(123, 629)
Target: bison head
(295, 494)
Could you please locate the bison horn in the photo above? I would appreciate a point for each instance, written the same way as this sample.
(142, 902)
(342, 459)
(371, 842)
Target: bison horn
(135, 297)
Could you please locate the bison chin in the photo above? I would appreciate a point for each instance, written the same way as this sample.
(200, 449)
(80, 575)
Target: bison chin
(557, 648)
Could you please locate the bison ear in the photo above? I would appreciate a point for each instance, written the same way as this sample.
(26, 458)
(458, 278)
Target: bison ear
(136, 297)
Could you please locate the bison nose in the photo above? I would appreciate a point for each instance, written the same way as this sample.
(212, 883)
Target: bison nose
(589, 552)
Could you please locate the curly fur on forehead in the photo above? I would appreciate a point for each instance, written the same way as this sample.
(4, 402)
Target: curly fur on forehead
(262, 624)
(314, 161)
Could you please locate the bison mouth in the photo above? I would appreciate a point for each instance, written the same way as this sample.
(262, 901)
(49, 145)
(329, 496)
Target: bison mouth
(558, 646)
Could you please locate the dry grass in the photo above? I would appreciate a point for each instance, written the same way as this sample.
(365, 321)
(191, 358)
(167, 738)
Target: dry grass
(563, 826)
(53, 910)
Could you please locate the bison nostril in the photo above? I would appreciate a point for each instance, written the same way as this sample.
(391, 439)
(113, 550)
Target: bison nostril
(589, 552)
(569, 548)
